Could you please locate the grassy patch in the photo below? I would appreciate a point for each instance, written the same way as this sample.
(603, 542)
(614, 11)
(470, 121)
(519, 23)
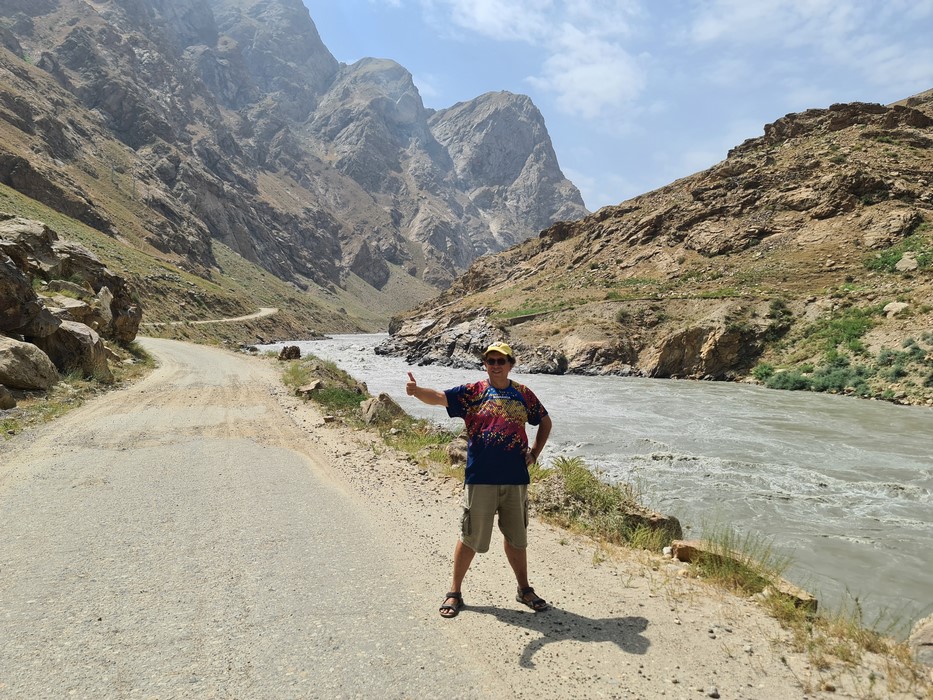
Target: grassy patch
(426, 443)
(572, 496)
(844, 329)
(919, 244)
(744, 565)
(337, 392)
(844, 636)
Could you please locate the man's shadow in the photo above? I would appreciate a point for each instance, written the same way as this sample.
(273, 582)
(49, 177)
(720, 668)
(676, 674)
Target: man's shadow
(556, 625)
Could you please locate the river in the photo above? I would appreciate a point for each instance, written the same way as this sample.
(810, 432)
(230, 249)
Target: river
(842, 486)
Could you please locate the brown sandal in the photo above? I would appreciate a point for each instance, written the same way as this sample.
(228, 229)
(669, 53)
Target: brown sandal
(535, 602)
(447, 610)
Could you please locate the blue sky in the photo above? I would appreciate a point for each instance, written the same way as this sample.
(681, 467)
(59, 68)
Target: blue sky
(637, 93)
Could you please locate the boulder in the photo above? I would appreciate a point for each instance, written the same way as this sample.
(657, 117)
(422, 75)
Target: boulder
(24, 366)
(381, 410)
(68, 309)
(77, 262)
(920, 641)
(18, 301)
(35, 251)
(907, 263)
(290, 352)
(29, 244)
(457, 451)
(41, 322)
(75, 346)
(7, 400)
(307, 390)
(894, 308)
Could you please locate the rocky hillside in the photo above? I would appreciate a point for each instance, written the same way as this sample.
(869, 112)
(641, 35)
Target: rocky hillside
(804, 260)
(175, 125)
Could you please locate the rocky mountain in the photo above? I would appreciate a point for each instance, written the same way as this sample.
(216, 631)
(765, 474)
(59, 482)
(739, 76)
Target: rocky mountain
(172, 125)
(802, 260)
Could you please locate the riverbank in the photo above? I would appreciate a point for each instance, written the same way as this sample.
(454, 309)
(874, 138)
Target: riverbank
(625, 623)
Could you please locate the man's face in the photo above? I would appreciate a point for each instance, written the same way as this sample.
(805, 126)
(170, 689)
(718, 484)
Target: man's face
(497, 365)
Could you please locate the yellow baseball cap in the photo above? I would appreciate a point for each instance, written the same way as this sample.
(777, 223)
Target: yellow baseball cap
(501, 348)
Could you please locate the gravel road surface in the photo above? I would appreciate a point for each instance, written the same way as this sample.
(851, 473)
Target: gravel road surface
(165, 542)
(205, 534)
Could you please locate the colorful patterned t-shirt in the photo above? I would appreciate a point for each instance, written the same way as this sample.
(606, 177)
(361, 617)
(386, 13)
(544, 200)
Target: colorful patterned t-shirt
(495, 423)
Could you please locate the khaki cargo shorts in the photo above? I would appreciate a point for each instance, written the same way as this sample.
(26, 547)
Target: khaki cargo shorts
(481, 502)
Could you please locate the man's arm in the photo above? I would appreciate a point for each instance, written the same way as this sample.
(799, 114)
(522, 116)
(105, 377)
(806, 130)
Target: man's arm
(544, 430)
(432, 397)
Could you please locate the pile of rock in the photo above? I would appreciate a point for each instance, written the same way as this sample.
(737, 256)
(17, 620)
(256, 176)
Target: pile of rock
(58, 303)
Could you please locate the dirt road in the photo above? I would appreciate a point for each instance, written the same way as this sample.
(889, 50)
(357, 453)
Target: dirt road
(203, 534)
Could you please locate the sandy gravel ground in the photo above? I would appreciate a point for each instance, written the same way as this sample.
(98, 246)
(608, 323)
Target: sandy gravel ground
(321, 575)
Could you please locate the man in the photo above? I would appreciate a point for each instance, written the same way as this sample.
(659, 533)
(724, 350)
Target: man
(496, 479)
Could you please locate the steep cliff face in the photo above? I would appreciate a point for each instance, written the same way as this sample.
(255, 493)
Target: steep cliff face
(503, 159)
(230, 120)
(457, 184)
(809, 250)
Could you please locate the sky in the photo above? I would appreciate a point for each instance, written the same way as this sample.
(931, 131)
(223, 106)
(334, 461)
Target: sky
(638, 93)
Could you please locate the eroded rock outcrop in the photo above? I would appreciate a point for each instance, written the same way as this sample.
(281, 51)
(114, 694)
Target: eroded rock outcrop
(58, 303)
(36, 251)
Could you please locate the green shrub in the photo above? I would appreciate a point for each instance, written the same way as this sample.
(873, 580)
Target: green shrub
(893, 373)
(791, 380)
(845, 329)
(838, 377)
(763, 371)
(887, 357)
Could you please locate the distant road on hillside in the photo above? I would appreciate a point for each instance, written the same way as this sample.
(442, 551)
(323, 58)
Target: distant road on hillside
(263, 311)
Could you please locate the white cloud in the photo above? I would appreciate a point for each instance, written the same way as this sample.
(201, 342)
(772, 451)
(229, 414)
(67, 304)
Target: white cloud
(584, 62)
(590, 76)
(812, 38)
(512, 20)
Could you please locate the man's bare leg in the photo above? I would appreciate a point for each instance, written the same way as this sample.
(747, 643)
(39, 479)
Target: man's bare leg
(463, 557)
(518, 560)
